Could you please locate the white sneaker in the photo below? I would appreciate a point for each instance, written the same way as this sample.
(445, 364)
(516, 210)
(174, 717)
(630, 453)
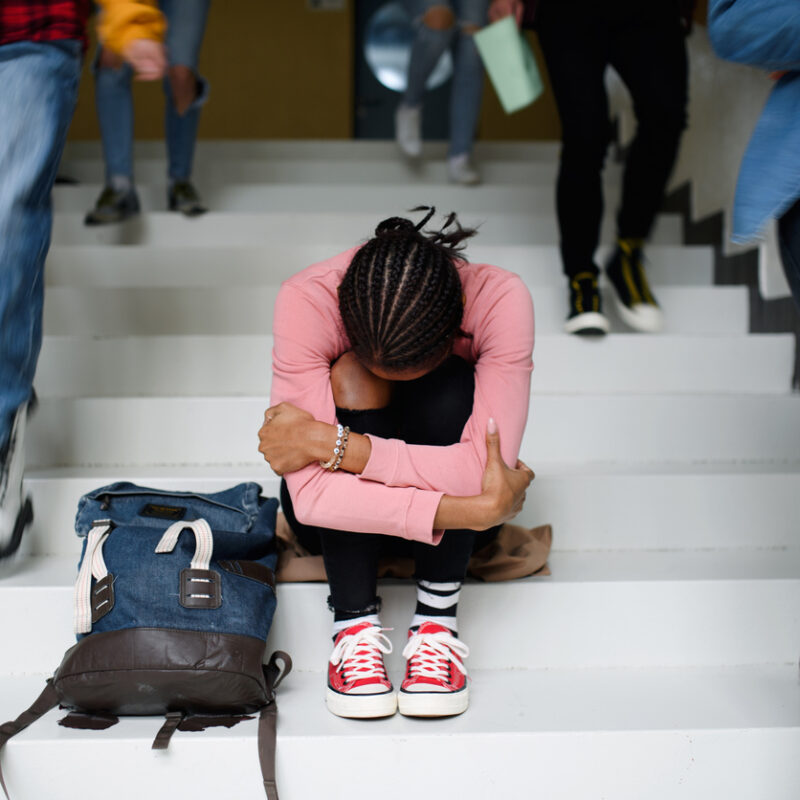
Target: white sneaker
(16, 513)
(461, 170)
(407, 127)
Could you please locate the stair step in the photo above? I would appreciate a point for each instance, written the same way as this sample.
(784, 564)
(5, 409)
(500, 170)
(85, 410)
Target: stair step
(213, 365)
(382, 200)
(340, 229)
(634, 508)
(689, 733)
(184, 266)
(299, 170)
(601, 609)
(319, 150)
(82, 311)
(562, 428)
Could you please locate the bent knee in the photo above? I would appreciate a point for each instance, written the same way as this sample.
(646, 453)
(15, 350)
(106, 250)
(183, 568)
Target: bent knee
(183, 84)
(439, 18)
(355, 387)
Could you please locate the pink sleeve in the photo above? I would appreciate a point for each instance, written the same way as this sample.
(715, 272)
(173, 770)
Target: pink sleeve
(503, 328)
(305, 344)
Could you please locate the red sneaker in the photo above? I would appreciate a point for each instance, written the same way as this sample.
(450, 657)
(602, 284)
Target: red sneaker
(358, 686)
(436, 679)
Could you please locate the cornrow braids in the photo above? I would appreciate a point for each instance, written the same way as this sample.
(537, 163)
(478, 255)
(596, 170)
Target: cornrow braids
(401, 298)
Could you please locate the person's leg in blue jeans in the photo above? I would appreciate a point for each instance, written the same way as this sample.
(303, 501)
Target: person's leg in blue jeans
(38, 88)
(185, 92)
(114, 104)
(440, 25)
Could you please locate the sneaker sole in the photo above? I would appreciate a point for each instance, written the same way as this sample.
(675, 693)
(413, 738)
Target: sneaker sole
(592, 323)
(361, 706)
(433, 704)
(648, 319)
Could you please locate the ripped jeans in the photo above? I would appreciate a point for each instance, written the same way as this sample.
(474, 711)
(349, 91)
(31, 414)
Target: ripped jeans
(186, 22)
(465, 98)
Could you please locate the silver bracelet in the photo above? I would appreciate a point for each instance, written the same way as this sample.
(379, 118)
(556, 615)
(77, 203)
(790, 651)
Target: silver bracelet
(342, 437)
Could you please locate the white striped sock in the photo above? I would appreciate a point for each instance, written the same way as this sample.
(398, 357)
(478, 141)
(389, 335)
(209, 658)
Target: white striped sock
(344, 624)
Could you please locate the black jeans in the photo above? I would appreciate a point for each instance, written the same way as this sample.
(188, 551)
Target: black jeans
(789, 240)
(431, 410)
(643, 41)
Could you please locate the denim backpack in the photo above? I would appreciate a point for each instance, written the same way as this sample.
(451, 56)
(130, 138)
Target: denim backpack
(173, 603)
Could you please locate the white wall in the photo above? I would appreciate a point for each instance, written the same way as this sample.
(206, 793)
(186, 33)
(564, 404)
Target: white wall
(725, 102)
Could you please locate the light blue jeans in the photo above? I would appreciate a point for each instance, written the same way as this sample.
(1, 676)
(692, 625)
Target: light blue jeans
(465, 97)
(186, 23)
(38, 89)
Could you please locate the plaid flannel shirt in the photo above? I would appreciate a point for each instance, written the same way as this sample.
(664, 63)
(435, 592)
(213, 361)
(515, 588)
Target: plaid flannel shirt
(43, 21)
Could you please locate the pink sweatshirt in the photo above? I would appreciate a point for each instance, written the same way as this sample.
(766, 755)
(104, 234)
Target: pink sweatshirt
(398, 492)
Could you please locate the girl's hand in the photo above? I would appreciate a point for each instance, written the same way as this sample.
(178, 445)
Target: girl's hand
(287, 438)
(503, 488)
(147, 57)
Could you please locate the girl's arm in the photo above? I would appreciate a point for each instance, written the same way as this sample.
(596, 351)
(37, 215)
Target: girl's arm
(307, 340)
(503, 340)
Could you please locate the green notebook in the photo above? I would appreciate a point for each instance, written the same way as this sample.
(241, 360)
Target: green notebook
(510, 63)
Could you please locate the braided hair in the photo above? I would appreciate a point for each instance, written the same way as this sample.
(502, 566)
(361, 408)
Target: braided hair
(401, 299)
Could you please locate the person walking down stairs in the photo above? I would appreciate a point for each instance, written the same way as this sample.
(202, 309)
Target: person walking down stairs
(41, 47)
(441, 25)
(644, 43)
(392, 454)
(185, 93)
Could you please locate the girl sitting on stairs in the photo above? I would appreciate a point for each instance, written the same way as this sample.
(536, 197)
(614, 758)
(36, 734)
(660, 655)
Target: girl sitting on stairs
(391, 363)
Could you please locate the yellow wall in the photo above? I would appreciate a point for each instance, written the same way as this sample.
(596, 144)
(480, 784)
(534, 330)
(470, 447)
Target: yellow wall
(280, 71)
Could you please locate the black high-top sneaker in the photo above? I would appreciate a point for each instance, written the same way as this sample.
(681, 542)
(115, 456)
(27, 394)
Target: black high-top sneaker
(113, 205)
(634, 301)
(16, 511)
(183, 197)
(585, 307)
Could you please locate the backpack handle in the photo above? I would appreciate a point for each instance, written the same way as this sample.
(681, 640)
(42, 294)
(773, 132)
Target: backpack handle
(200, 586)
(203, 537)
(93, 565)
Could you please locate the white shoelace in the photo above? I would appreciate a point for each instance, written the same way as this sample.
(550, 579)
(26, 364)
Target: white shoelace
(432, 654)
(360, 655)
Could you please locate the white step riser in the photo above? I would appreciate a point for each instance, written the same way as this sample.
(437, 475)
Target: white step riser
(546, 743)
(546, 624)
(339, 229)
(94, 266)
(380, 200)
(587, 512)
(380, 171)
(173, 431)
(245, 310)
(319, 150)
(192, 366)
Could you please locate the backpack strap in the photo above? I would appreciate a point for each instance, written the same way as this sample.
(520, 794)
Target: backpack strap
(47, 699)
(268, 721)
(173, 719)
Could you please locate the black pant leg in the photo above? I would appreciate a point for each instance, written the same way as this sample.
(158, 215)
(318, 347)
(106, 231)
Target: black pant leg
(573, 35)
(648, 50)
(789, 241)
(433, 410)
(351, 559)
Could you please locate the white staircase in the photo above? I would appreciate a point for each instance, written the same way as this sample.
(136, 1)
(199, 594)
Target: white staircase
(660, 659)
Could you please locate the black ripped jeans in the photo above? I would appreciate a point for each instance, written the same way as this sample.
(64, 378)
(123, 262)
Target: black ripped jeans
(644, 42)
(431, 410)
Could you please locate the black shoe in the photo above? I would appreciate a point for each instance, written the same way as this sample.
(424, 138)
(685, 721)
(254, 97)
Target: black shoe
(113, 205)
(183, 197)
(585, 307)
(634, 301)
